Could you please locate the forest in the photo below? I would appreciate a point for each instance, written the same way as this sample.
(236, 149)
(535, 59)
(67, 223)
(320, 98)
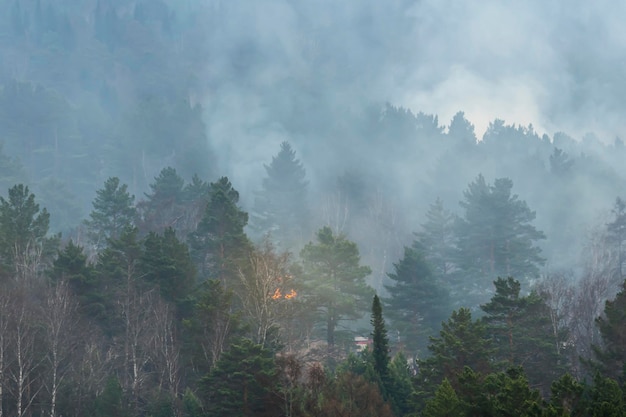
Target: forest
(226, 209)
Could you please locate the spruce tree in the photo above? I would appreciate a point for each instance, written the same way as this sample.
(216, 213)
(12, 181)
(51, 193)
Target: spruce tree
(445, 403)
(495, 237)
(167, 264)
(113, 212)
(380, 347)
(281, 206)
(111, 401)
(437, 239)
(163, 206)
(418, 302)
(219, 244)
(462, 343)
(522, 333)
(401, 390)
(242, 383)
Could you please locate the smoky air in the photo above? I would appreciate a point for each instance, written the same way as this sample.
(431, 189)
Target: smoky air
(312, 208)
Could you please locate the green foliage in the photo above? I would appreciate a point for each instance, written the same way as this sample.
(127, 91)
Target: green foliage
(567, 397)
(611, 356)
(607, 398)
(401, 387)
(113, 212)
(242, 383)
(508, 394)
(436, 239)
(111, 402)
(335, 279)
(161, 406)
(164, 204)
(166, 263)
(496, 236)
(502, 394)
(462, 343)
(281, 206)
(24, 244)
(119, 262)
(219, 245)
(192, 407)
(211, 325)
(118, 275)
(418, 302)
(380, 347)
(360, 363)
(445, 403)
(522, 332)
(71, 265)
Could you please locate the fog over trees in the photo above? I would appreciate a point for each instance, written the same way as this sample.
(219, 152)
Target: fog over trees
(311, 208)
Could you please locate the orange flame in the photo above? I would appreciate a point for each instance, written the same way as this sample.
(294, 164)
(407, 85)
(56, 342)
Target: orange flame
(291, 294)
(277, 294)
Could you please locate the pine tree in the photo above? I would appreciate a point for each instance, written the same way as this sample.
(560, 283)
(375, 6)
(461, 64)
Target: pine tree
(568, 397)
(335, 279)
(606, 398)
(281, 207)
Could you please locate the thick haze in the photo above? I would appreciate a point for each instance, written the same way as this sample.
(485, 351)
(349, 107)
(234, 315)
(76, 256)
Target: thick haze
(213, 87)
(557, 67)
(308, 72)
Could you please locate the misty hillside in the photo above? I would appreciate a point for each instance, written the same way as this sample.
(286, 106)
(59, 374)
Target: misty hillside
(157, 154)
(98, 89)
